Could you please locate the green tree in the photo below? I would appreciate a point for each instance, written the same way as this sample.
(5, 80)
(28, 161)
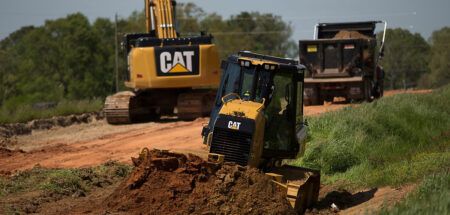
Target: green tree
(261, 33)
(71, 59)
(439, 65)
(405, 58)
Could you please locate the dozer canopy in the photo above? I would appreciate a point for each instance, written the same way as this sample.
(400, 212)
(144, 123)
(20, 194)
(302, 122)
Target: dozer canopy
(257, 121)
(251, 83)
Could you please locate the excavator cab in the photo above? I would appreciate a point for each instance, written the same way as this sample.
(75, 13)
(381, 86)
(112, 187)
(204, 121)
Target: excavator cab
(257, 121)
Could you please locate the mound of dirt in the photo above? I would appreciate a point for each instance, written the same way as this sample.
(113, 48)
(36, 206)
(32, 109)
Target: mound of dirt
(350, 35)
(171, 183)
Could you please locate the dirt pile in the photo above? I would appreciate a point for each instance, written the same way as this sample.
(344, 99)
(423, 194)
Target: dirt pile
(170, 183)
(350, 35)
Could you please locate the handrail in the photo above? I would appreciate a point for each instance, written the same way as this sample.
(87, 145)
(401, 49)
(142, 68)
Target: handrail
(230, 94)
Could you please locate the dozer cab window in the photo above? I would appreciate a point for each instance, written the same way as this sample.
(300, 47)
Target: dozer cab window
(299, 106)
(248, 75)
(279, 130)
(230, 82)
(263, 88)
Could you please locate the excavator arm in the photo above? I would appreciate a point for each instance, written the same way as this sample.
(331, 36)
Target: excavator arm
(160, 17)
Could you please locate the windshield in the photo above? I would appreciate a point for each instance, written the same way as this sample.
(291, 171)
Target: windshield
(279, 121)
(264, 86)
(247, 83)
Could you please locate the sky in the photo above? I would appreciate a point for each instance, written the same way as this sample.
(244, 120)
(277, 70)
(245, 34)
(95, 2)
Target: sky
(421, 16)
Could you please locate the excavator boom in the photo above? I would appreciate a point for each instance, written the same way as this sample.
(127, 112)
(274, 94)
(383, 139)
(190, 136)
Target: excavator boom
(160, 17)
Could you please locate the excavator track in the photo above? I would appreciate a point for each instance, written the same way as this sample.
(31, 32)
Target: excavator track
(129, 107)
(117, 108)
(194, 104)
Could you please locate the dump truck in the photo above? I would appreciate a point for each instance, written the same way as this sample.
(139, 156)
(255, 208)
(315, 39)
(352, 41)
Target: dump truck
(167, 74)
(257, 121)
(343, 61)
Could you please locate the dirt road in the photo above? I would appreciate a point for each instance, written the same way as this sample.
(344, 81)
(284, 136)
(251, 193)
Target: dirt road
(95, 143)
(92, 144)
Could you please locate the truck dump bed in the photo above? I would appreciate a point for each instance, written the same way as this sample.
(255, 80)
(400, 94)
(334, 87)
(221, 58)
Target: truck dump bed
(331, 58)
(342, 61)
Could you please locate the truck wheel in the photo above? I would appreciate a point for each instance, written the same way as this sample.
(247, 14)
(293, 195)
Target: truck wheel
(368, 92)
(307, 102)
(320, 101)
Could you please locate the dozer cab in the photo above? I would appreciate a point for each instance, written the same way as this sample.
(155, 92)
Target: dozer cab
(168, 74)
(257, 120)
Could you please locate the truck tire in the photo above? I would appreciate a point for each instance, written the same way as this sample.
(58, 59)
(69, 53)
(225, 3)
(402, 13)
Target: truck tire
(368, 92)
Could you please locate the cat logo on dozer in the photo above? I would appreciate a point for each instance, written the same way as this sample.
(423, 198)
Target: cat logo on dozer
(234, 125)
(181, 61)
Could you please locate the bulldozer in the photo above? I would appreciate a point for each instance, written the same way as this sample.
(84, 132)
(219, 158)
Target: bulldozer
(167, 74)
(257, 121)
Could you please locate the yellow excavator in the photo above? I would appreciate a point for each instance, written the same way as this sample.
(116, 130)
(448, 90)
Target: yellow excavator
(167, 74)
(257, 121)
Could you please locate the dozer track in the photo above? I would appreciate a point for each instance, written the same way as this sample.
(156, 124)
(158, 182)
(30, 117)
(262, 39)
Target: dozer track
(194, 104)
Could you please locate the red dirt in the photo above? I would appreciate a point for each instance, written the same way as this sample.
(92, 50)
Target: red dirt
(350, 35)
(93, 144)
(361, 202)
(171, 183)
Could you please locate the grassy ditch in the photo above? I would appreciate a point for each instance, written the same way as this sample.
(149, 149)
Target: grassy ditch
(55, 184)
(392, 141)
(431, 197)
(24, 113)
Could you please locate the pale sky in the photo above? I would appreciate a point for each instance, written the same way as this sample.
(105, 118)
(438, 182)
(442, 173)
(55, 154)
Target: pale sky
(422, 16)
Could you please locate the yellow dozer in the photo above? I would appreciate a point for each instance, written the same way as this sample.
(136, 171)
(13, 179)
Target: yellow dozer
(257, 121)
(166, 74)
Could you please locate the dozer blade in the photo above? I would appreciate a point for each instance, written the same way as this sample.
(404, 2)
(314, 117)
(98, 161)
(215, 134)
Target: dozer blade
(301, 184)
(117, 108)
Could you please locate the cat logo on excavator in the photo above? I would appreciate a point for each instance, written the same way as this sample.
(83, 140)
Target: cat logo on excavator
(177, 61)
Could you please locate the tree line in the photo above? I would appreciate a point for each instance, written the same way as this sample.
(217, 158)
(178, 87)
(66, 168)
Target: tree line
(71, 58)
(411, 61)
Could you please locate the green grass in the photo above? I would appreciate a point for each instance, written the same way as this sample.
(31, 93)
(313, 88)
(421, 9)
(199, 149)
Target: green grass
(390, 141)
(431, 197)
(63, 181)
(26, 113)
